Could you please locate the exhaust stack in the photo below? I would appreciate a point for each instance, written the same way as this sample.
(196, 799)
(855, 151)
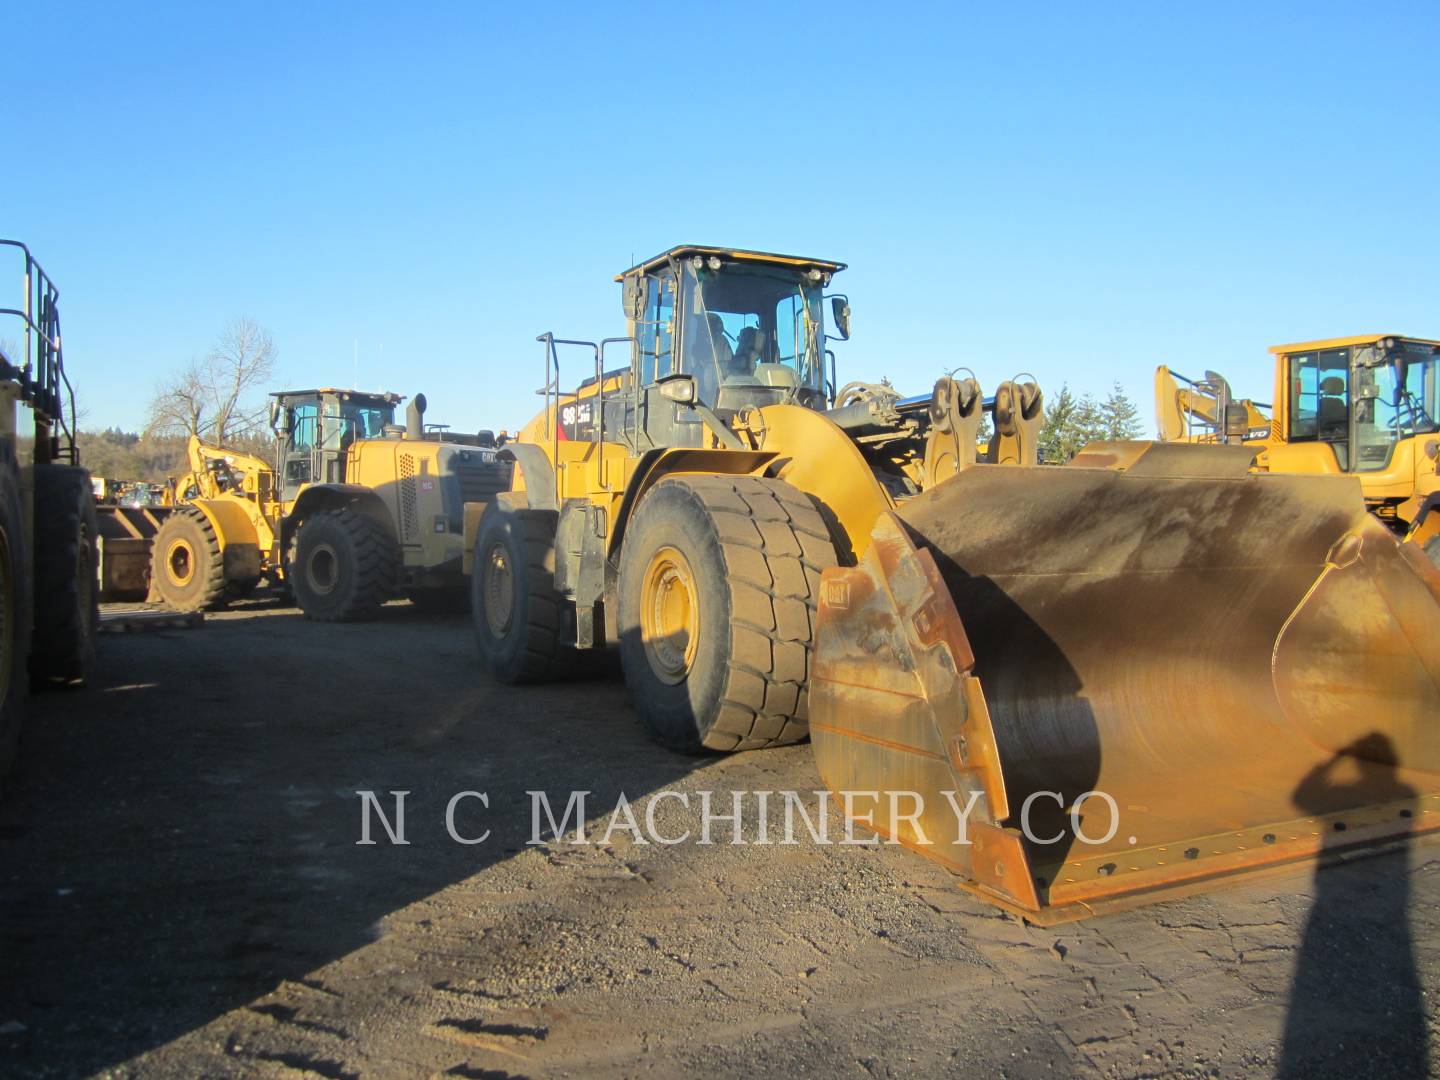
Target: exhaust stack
(415, 417)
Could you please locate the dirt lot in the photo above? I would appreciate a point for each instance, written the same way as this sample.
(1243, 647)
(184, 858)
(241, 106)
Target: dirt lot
(181, 894)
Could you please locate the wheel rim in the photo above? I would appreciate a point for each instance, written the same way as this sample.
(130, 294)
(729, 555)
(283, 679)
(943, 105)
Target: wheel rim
(669, 615)
(322, 568)
(499, 591)
(180, 562)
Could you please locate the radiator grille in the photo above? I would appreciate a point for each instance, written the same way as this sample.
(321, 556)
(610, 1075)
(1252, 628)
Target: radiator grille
(407, 496)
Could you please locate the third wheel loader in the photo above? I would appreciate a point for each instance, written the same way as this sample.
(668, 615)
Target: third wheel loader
(353, 510)
(1241, 664)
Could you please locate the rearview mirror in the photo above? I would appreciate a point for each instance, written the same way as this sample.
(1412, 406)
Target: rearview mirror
(840, 312)
(632, 297)
(275, 416)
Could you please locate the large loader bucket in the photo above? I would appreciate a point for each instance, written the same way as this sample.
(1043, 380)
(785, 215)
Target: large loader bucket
(126, 536)
(1247, 665)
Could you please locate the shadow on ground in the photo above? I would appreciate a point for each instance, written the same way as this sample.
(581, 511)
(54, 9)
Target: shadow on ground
(1356, 1007)
(189, 822)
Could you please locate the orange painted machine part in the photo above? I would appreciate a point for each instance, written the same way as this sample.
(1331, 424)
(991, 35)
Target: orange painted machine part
(1244, 663)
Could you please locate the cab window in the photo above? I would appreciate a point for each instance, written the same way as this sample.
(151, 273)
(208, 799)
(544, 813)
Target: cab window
(656, 331)
(303, 431)
(1395, 400)
(1320, 395)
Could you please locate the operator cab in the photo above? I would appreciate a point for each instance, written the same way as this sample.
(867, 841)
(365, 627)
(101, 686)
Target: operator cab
(316, 428)
(1362, 395)
(744, 328)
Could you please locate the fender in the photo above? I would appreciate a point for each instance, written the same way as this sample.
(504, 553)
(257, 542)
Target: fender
(231, 521)
(656, 465)
(535, 470)
(355, 497)
(240, 538)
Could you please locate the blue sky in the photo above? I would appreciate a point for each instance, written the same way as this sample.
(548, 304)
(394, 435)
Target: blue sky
(1077, 191)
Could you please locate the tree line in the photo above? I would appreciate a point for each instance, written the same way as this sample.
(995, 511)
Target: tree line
(1071, 422)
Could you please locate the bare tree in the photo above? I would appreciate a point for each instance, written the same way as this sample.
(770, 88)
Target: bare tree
(241, 362)
(180, 405)
(216, 396)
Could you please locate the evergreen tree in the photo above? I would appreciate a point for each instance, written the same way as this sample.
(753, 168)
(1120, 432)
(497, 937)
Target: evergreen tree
(1119, 417)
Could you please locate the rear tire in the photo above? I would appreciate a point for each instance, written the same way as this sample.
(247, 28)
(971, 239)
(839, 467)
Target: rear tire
(513, 602)
(719, 579)
(344, 566)
(14, 619)
(67, 596)
(187, 567)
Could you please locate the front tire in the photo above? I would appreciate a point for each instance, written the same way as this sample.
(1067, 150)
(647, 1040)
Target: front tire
(513, 603)
(719, 578)
(187, 566)
(14, 618)
(67, 607)
(344, 567)
(1432, 549)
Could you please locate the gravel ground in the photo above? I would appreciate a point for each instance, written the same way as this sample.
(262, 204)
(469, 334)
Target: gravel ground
(182, 894)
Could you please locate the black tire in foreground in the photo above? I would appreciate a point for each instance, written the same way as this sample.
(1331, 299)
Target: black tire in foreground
(186, 564)
(513, 602)
(719, 580)
(344, 566)
(14, 618)
(67, 593)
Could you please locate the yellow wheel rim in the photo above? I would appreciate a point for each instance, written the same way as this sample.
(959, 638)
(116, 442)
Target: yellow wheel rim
(180, 562)
(669, 615)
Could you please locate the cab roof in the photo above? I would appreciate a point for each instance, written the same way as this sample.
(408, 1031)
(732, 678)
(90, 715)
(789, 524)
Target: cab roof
(371, 395)
(684, 251)
(1343, 342)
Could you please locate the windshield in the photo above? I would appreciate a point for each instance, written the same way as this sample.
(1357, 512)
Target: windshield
(751, 326)
(354, 421)
(1395, 400)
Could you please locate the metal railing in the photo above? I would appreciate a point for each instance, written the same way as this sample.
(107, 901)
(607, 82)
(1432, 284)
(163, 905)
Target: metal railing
(40, 372)
(597, 403)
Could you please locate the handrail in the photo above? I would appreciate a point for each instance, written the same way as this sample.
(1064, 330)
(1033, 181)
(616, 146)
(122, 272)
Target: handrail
(597, 426)
(44, 386)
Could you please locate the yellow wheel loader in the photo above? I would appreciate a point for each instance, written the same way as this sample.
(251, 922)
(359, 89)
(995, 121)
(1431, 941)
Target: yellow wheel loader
(973, 646)
(1365, 406)
(354, 509)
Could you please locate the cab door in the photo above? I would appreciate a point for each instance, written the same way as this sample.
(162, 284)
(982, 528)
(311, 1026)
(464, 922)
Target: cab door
(297, 452)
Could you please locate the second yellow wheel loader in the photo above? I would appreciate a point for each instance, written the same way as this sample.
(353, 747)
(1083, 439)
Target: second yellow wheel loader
(354, 509)
(775, 558)
(1366, 406)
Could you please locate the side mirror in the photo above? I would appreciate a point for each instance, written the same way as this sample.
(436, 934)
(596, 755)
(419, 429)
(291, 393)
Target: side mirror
(840, 312)
(632, 297)
(275, 416)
